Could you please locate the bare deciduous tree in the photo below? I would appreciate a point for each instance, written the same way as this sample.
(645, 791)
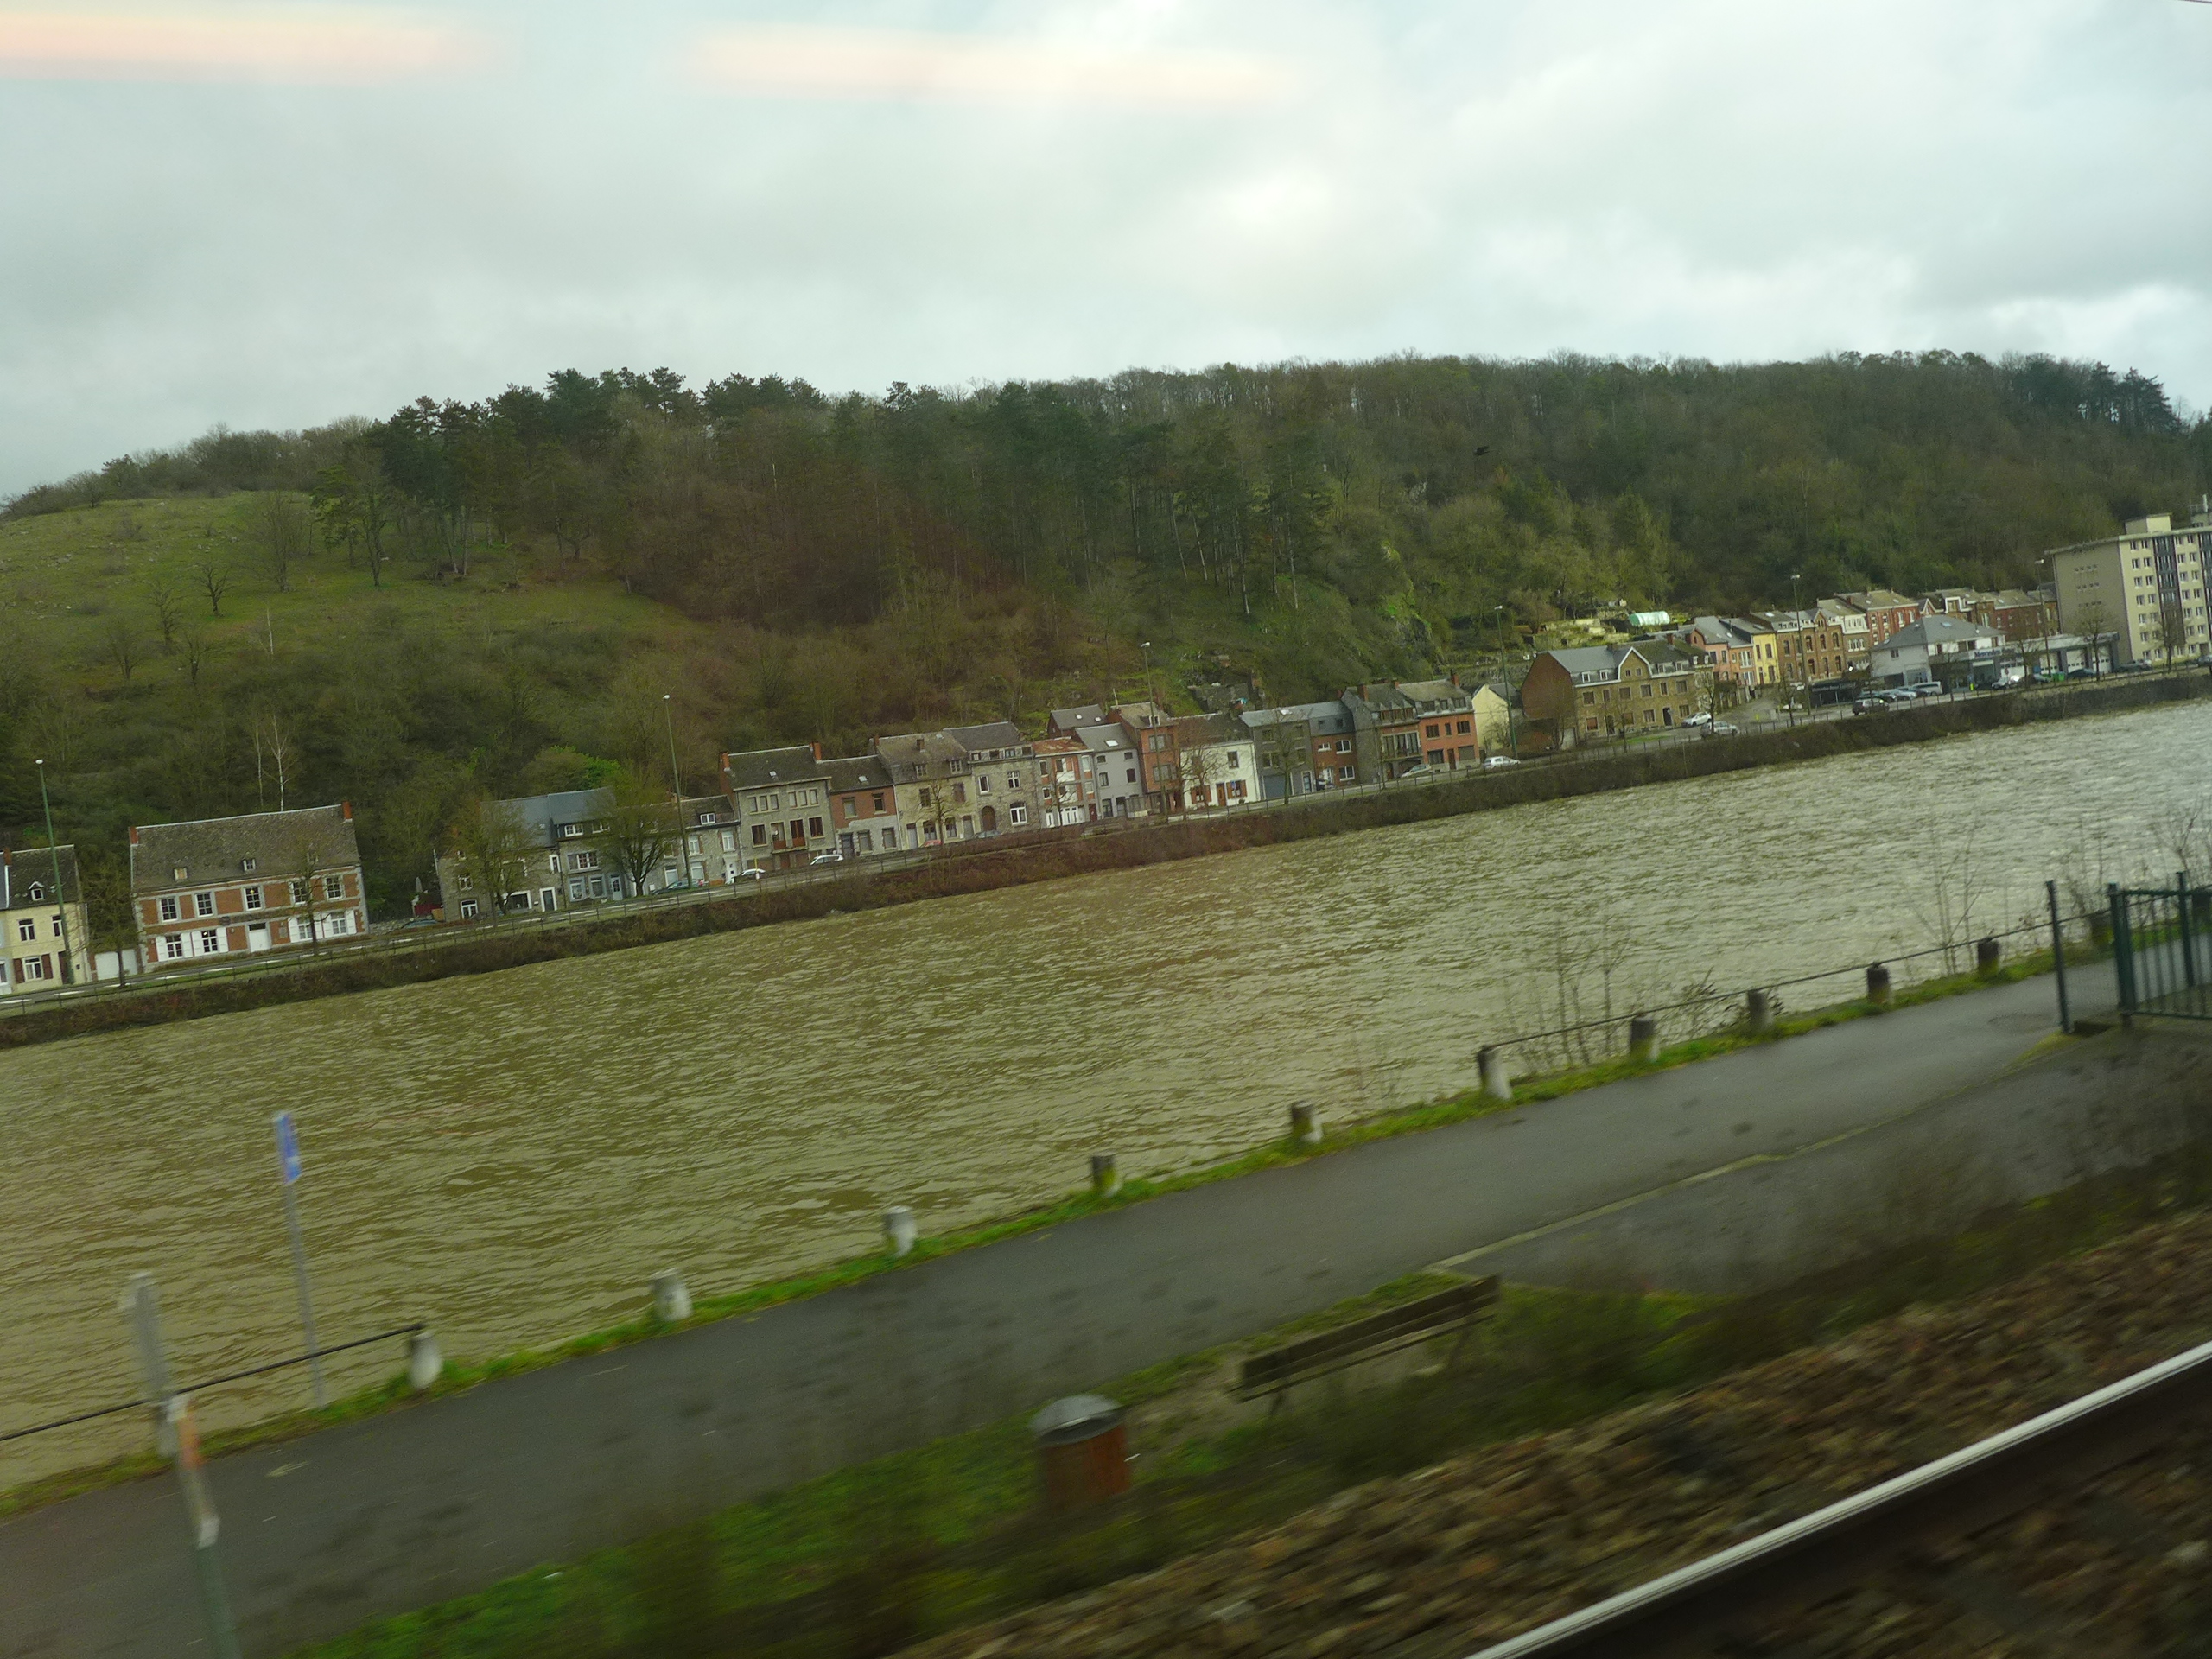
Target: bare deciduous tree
(214, 580)
(120, 640)
(168, 604)
(280, 535)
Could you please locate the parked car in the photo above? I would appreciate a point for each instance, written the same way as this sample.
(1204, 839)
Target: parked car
(2049, 676)
(1927, 688)
(1896, 694)
(1492, 762)
(1697, 720)
(1869, 704)
(2138, 667)
(753, 873)
(1721, 728)
(833, 857)
(2080, 674)
(1420, 770)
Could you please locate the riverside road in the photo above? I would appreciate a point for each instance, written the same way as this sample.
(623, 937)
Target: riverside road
(322, 1534)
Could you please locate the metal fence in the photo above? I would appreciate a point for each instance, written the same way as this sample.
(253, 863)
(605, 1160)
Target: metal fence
(2162, 950)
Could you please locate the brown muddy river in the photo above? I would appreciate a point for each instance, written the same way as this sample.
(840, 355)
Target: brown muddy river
(511, 1156)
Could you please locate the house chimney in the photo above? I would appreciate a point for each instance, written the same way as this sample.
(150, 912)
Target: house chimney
(1455, 679)
(346, 807)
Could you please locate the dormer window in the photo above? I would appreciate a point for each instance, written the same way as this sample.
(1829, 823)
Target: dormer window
(38, 892)
(248, 865)
(180, 873)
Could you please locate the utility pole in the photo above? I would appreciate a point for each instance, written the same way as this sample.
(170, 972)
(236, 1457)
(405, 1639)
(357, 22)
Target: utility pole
(287, 1169)
(60, 893)
(179, 1438)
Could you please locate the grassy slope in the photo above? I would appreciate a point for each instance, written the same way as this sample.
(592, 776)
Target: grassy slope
(66, 575)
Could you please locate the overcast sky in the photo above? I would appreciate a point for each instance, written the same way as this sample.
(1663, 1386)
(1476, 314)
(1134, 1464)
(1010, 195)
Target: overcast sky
(276, 216)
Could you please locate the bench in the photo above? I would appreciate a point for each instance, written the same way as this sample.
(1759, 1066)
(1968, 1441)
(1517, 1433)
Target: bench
(1394, 1328)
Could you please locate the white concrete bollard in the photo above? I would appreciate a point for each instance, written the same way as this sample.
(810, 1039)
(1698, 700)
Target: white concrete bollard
(425, 1364)
(900, 1229)
(1496, 1081)
(1105, 1180)
(671, 1296)
(1643, 1038)
(1306, 1124)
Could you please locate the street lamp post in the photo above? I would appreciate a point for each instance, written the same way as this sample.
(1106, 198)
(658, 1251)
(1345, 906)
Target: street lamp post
(1512, 737)
(1145, 645)
(54, 847)
(1797, 623)
(675, 772)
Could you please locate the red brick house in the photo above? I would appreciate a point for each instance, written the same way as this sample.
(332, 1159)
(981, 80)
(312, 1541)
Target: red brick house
(265, 881)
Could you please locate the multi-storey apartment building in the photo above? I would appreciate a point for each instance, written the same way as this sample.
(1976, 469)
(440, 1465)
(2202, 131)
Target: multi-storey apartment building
(1806, 647)
(1116, 766)
(780, 799)
(265, 881)
(1885, 612)
(2144, 590)
(1303, 747)
(863, 806)
(1067, 782)
(1611, 690)
(44, 940)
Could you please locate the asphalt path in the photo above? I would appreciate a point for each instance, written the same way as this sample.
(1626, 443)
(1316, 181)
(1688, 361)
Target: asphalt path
(324, 1533)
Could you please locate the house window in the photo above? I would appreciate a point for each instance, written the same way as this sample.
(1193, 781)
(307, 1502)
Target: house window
(299, 892)
(27, 931)
(759, 834)
(253, 898)
(1017, 813)
(203, 904)
(1464, 728)
(1013, 781)
(168, 909)
(982, 785)
(814, 828)
(210, 942)
(334, 887)
(173, 945)
(468, 910)
(877, 800)
(960, 791)
(1344, 746)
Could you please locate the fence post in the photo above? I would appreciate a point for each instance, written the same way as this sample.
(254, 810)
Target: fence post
(1105, 1178)
(1643, 1038)
(1878, 984)
(2187, 934)
(1987, 956)
(1305, 1124)
(2123, 953)
(1490, 1066)
(2059, 957)
(1758, 1012)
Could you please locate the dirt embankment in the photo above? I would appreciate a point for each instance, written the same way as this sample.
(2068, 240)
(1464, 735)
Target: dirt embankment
(1013, 862)
(1444, 1561)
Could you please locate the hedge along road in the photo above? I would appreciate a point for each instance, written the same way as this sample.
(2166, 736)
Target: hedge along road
(509, 1156)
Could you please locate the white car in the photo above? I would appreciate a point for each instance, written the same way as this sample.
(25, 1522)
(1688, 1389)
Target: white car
(1492, 762)
(1720, 729)
(833, 857)
(1697, 720)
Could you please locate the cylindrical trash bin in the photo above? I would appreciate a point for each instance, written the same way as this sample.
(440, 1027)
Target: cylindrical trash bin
(1083, 1451)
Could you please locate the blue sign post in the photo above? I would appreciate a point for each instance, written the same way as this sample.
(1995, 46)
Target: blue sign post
(287, 1166)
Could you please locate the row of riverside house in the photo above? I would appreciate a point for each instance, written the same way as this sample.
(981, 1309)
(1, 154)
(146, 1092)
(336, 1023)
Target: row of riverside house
(216, 887)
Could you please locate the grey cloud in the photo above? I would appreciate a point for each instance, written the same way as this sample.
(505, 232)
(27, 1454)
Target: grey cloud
(1717, 178)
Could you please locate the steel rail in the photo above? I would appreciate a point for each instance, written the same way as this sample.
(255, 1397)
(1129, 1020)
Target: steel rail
(1825, 1554)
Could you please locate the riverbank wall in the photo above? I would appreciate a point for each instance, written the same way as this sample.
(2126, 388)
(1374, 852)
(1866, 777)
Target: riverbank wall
(1011, 862)
(420, 1505)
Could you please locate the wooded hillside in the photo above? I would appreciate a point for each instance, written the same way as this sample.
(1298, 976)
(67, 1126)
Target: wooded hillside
(494, 597)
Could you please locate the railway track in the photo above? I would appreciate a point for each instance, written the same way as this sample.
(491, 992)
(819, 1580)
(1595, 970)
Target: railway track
(2073, 1533)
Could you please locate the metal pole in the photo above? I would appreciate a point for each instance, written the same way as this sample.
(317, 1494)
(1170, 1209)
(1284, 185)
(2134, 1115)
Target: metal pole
(60, 893)
(179, 1440)
(287, 1169)
(675, 772)
(2188, 942)
(2058, 958)
(2123, 953)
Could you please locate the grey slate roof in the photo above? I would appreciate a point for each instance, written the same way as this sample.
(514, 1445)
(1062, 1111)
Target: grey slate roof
(858, 772)
(28, 867)
(1065, 722)
(215, 849)
(1109, 739)
(1332, 716)
(1938, 631)
(1000, 734)
(770, 768)
(543, 815)
(917, 756)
